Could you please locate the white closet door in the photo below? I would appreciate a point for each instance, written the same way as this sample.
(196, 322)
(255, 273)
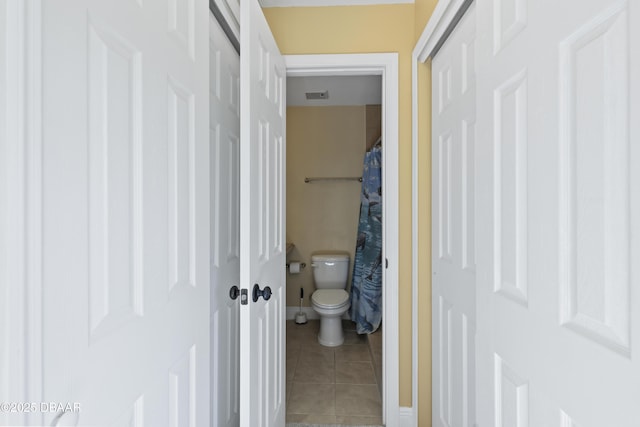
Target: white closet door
(453, 216)
(125, 212)
(224, 129)
(558, 207)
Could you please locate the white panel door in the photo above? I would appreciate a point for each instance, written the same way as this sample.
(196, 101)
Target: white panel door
(125, 204)
(224, 134)
(262, 220)
(453, 216)
(558, 207)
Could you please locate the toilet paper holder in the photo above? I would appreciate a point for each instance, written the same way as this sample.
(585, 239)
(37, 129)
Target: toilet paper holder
(302, 265)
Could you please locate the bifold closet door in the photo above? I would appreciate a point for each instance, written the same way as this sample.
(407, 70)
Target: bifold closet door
(125, 212)
(453, 216)
(224, 137)
(558, 213)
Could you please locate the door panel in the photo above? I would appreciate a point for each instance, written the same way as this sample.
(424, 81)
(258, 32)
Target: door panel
(557, 169)
(224, 95)
(453, 215)
(262, 219)
(126, 212)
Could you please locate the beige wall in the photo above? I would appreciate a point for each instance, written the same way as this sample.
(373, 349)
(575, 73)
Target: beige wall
(373, 124)
(424, 245)
(424, 9)
(322, 142)
(383, 28)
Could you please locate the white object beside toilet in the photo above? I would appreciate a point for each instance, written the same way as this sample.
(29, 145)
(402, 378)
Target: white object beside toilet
(330, 300)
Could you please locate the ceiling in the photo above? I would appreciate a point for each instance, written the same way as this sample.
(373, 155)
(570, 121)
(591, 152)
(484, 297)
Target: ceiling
(343, 90)
(301, 3)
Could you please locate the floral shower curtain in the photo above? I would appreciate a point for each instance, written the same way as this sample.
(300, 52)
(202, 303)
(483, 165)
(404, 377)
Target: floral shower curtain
(366, 286)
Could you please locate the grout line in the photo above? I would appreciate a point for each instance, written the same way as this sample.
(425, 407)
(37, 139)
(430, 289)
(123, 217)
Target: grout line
(335, 385)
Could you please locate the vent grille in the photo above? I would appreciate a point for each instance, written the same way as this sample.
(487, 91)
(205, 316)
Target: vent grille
(317, 95)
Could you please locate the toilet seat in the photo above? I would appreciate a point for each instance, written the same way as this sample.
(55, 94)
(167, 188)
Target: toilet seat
(330, 298)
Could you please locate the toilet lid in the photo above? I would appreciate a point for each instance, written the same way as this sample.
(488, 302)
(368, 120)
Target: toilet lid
(330, 297)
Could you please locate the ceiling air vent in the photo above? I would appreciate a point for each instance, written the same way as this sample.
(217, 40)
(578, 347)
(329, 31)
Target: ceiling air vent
(317, 95)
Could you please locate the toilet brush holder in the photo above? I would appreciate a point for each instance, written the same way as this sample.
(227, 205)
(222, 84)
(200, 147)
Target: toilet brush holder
(301, 317)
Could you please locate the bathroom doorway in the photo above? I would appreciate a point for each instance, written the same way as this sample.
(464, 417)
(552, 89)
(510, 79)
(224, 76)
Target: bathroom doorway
(327, 137)
(332, 121)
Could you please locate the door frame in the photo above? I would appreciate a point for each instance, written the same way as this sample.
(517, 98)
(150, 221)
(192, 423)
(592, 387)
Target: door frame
(385, 65)
(444, 19)
(21, 184)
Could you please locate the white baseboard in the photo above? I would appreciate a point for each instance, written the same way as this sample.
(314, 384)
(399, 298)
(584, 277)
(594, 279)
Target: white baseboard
(406, 417)
(309, 311)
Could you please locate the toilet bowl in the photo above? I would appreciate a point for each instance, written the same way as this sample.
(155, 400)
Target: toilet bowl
(330, 300)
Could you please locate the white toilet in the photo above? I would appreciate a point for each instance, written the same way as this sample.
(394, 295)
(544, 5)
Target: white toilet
(330, 300)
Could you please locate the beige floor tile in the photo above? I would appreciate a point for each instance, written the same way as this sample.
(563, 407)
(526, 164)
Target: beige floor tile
(295, 335)
(293, 351)
(292, 362)
(355, 373)
(361, 400)
(302, 334)
(352, 337)
(310, 326)
(360, 421)
(293, 346)
(315, 371)
(353, 353)
(311, 419)
(315, 351)
(312, 399)
(293, 355)
(377, 355)
(348, 325)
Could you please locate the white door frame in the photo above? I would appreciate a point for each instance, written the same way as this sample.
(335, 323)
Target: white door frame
(385, 65)
(21, 207)
(442, 22)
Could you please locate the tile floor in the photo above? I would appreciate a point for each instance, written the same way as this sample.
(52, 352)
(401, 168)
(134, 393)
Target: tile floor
(330, 385)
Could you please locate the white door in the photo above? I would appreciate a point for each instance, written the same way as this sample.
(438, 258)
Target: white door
(224, 128)
(453, 181)
(125, 212)
(558, 213)
(262, 221)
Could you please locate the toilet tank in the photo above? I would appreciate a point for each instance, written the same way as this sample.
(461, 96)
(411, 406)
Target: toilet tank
(330, 270)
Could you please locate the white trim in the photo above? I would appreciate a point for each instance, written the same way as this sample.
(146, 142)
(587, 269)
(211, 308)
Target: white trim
(444, 17)
(21, 230)
(309, 311)
(446, 13)
(316, 3)
(385, 64)
(415, 228)
(231, 14)
(407, 417)
(293, 310)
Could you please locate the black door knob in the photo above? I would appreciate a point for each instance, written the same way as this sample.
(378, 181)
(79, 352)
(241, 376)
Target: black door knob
(234, 292)
(264, 293)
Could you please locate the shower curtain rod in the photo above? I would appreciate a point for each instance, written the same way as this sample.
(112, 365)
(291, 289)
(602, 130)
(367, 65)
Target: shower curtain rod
(337, 178)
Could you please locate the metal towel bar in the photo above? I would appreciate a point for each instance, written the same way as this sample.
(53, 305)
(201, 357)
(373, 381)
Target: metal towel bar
(337, 178)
